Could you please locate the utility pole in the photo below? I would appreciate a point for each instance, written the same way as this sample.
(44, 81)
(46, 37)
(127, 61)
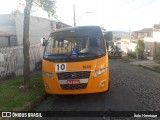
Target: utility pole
(130, 34)
(74, 14)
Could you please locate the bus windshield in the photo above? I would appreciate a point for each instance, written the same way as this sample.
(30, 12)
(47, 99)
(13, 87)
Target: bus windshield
(75, 44)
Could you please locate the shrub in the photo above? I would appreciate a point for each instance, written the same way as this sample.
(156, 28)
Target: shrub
(140, 49)
(132, 54)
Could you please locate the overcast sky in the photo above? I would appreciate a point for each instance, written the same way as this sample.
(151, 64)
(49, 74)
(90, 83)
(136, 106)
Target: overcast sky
(110, 14)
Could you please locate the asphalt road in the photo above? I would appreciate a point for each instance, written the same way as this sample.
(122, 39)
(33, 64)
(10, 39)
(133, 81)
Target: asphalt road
(132, 88)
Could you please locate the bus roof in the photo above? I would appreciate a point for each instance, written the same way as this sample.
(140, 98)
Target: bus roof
(75, 28)
(76, 31)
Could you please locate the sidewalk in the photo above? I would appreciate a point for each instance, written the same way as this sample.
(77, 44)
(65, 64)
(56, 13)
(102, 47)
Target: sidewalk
(149, 64)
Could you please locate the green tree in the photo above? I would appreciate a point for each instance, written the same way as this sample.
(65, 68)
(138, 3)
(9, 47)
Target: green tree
(49, 7)
(140, 49)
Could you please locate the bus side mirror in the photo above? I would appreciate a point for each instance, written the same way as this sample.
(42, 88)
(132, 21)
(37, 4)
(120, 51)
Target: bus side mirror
(43, 41)
(108, 36)
(107, 45)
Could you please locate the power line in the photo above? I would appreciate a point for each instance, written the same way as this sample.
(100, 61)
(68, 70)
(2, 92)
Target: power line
(135, 9)
(60, 20)
(149, 3)
(57, 19)
(123, 4)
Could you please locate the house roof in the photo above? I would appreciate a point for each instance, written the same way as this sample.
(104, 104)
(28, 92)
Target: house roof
(61, 23)
(5, 34)
(157, 26)
(144, 30)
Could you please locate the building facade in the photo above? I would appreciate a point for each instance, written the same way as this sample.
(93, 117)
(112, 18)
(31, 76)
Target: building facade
(151, 37)
(12, 26)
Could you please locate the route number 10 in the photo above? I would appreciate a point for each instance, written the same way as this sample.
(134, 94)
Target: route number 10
(60, 67)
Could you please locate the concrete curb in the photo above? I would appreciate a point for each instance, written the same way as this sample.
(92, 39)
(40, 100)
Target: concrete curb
(128, 61)
(148, 68)
(28, 106)
(32, 104)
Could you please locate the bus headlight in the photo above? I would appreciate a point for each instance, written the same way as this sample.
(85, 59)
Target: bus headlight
(98, 72)
(48, 75)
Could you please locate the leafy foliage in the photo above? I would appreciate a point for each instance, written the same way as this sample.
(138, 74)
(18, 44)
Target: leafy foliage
(46, 5)
(132, 54)
(140, 49)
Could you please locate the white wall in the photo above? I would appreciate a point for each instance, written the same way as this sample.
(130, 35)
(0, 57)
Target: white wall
(39, 28)
(148, 39)
(156, 36)
(132, 47)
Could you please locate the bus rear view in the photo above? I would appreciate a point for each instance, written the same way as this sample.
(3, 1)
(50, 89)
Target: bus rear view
(75, 61)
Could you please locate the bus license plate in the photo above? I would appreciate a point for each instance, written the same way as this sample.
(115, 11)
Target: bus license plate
(73, 81)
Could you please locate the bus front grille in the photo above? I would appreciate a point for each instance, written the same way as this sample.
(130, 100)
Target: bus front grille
(73, 86)
(73, 75)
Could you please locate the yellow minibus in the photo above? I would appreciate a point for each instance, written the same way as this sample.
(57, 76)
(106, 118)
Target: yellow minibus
(75, 61)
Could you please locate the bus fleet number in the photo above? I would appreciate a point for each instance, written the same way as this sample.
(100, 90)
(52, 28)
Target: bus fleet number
(60, 67)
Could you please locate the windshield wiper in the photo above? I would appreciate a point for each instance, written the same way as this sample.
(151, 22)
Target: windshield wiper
(69, 56)
(90, 53)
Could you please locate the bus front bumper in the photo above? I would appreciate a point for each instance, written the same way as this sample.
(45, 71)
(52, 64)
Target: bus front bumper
(93, 85)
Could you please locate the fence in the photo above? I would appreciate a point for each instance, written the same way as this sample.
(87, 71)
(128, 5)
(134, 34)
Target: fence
(11, 59)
